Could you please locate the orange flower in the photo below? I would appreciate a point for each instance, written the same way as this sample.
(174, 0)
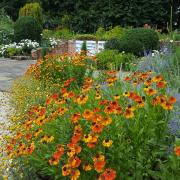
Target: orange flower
(71, 152)
(172, 100)
(61, 111)
(9, 147)
(161, 84)
(88, 114)
(75, 174)
(156, 100)
(37, 132)
(54, 162)
(55, 96)
(30, 148)
(114, 104)
(48, 101)
(75, 147)
(97, 118)
(151, 92)
(74, 162)
(108, 110)
(106, 121)
(148, 82)
(66, 170)
(99, 162)
(127, 78)
(167, 106)
(104, 102)
(109, 174)
(81, 99)
(97, 127)
(28, 136)
(86, 88)
(93, 142)
(118, 110)
(87, 167)
(88, 80)
(128, 113)
(75, 117)
(177, 150)
(157, 78)
(76, 138)
(140, 104)
(99, 166)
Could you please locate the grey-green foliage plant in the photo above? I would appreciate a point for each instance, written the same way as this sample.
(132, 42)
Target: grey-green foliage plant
(6, 28)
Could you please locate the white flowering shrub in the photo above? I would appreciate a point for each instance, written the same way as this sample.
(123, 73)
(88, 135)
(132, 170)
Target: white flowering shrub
(23, 47)
(53, 42)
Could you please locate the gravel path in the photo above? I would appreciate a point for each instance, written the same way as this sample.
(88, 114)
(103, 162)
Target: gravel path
(4, 131)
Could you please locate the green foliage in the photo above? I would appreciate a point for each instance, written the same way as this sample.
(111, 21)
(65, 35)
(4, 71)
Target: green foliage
(112, 59)
(177, 51)
(46, 34)
(14, 51)
(86, 37)
(84, 48)
(176, 36)
(32, 9)
(27, 27)
(135, 41)
(63, 33)
(6, 28)
(86, 16)
(115, 32)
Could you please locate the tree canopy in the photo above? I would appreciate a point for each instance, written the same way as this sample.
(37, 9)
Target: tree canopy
(87, 16)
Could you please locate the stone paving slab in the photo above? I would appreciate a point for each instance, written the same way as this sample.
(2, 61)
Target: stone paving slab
(10, 70)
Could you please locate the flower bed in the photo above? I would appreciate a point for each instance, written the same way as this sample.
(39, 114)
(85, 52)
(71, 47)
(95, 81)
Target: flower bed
(86, 128)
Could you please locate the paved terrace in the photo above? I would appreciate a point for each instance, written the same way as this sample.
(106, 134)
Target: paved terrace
(10, 70)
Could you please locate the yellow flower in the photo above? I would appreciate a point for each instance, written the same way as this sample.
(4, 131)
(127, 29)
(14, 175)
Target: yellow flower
(87, 167)
(116, 97)
(107, 143)
(87, 138)
(97, 96)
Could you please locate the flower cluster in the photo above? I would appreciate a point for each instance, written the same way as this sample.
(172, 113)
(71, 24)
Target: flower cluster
(53, 42)
(25, 46)
(94, 117)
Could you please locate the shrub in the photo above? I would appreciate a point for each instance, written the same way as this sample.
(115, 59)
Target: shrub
(24, 47)
(32, 9)
(176, 36)
(86, 37)
(115, 32)
(135, 41)
(6, 28)
(112, 59)
(27, 27)
(84, 48)
(63, 33)
(14, 51)
(46, 34)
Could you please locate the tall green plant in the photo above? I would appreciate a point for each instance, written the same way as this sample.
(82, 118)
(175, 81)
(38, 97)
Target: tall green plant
(32, 9)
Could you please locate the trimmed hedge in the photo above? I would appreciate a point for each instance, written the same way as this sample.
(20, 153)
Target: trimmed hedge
(27, 27)
(135, 41)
